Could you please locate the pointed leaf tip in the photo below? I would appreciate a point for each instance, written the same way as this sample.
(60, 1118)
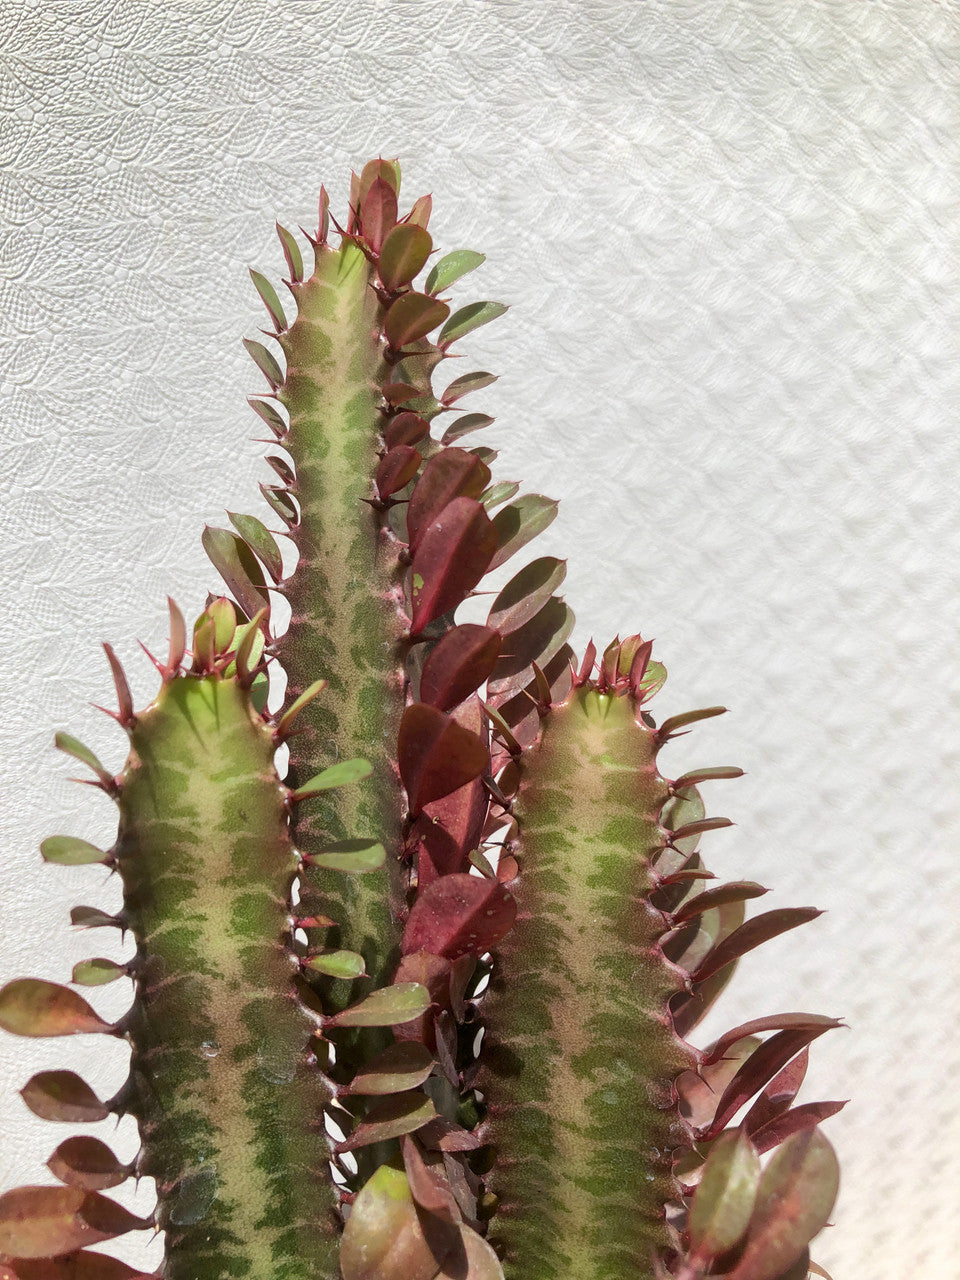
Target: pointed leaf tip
(33, 1007)
(451, 268)
(47, 1222)
(469, 318)
(386, 1007)
(268, 296)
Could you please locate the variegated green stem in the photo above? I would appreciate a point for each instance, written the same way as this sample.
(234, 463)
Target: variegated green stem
(223, 1079)
(345, 626)
(580, 1054)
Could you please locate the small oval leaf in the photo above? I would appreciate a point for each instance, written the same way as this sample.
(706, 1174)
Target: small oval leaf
(724, 1199)
(405, 428)
(436, 755)
(45, 1222)
(69, 851)
(34, 1007)
(403, 255)
(70, 746)
(268, 296)
(384, 1237)
(97, 972)
(398, 1068)
(337, 964)
(464, 426)
(519, 522)
(341, 774)
(386, 1007)
(451, 473)
(87, 1162)
(265, 362)
(238, 567)
(455, 552)
(412, 317)
(458, 665)
(526, 593)
(62, 1095)
(469, 318)
(451, 267)
(354, 856)
(396, 469)
(392, 1117)
(465, 384)
(260, 540)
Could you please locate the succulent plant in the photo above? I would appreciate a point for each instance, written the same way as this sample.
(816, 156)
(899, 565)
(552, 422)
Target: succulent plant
(467, 933)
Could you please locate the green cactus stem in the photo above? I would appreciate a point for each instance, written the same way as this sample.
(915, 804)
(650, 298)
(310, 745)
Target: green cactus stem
(582, 1065)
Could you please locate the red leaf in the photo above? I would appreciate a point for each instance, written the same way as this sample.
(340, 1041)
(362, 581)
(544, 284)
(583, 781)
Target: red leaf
(378, 213)
(390, 1117)
(774, 1022)
(45, 1222)
(62, 1095)
(451, 473)
(397, 468)
(405, 428)
(535, 642)
(735, 891)
(778, 1094)
(81, 1265)
(411, 317)
(794, 1121)
(428, 1182)
(756, 931)
(436, 755)
(454, 554)
(459, 915)
(458, 665)
(87, 1162)
(762, 1065)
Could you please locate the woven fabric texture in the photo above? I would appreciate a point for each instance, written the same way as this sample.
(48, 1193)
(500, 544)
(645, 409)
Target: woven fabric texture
(729, 236)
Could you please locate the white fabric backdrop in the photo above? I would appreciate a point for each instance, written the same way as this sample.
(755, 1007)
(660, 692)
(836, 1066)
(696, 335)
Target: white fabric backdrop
(729, 235)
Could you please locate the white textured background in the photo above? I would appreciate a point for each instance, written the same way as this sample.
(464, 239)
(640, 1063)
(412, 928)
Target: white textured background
(729, 232)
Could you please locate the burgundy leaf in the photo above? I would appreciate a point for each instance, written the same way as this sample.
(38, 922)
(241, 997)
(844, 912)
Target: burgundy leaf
(794, 1121)
(412, 316)
(62, 1095)
(535, 642)
(238, 567)
(434, 973)
(454, 553)
(378, 213)
(815, 1022)
(522, 520)
(428, 1182)
(526, 593)
(756, 931)
(436, 755)
(45, 1222)
(458, 665)
(463, 385)
(399, 392)
(762, 1065)
(87, 1162)
(397, 468)
(83, 1264)
(735, 891)
(405, 428)
(778, 1094)
(459, 915)
(699, 1091)
(390, 1117)
(696, 776)
(451, 473)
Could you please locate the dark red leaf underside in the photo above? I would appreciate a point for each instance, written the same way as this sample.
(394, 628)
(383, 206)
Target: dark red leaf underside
(436, 755)
(396, 468)
(454, 554)
(797, 1120)
(459, 915)
(536, 641)
(774, 1022)
(758, 1070)
(779, 1093)
(458, 665)
(450, 474)
(405, 428)
(751, 934)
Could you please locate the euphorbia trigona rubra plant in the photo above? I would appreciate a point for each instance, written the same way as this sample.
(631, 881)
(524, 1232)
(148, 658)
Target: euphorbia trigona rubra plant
(472, 834)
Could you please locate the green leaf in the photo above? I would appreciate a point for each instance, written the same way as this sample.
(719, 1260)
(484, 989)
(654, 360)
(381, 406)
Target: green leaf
(338, 964)
(265, 361)
(398, 1068)
(466, 383)
(526, 593)
(72, 747)
(33, 1007)
(69, 851)
(97, 972)
(259, 538)
(355, 856)
(269, 298)
(403, 255)
(451, 267)
(469, 318)
(387, 1007)
(291, 251)
(520, 522)
(498, 493)
(238, 567)
(724, 1199)
(341, 774)
(269, 415)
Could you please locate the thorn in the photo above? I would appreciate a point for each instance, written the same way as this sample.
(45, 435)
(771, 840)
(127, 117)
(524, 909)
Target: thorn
(159, 665)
